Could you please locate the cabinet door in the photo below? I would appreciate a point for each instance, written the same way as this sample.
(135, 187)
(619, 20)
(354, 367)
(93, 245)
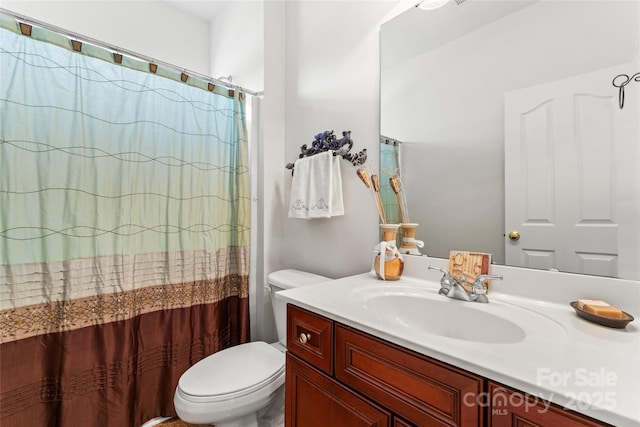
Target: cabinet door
(312, 399)
(512, 408)
(398, 422)
(421, 390)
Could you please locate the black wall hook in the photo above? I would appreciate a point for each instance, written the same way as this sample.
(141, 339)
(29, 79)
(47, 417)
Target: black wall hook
(621, 84)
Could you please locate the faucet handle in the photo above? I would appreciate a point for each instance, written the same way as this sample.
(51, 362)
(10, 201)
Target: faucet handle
(478, 287)
(446, 282)
(446, 278)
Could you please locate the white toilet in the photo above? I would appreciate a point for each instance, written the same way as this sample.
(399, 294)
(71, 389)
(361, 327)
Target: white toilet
(230, 387)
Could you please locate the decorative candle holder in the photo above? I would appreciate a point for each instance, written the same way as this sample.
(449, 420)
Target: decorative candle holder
(388, 263)
(410, 245)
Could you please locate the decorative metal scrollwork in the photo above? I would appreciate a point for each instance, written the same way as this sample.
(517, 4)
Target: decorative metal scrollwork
(617, 82)
(327, 141)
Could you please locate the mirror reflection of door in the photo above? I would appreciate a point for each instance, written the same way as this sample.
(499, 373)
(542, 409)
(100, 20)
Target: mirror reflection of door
(443, 79)
(570, 180)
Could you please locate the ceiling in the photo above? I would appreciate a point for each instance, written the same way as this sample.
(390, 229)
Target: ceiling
(205, 10)
(417, 31)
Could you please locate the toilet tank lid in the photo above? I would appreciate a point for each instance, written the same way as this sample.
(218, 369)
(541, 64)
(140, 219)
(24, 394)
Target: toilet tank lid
(290, 278)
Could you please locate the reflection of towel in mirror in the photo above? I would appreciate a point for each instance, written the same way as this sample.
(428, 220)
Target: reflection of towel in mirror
(316, 190)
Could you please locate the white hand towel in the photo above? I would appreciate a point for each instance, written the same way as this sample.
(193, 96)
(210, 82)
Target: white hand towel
(316, 190)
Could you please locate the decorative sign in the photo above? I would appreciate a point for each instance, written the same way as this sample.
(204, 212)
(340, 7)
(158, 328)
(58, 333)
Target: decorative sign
(468, 265)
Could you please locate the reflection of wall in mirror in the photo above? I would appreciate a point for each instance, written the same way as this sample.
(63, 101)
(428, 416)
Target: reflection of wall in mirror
(446, 106)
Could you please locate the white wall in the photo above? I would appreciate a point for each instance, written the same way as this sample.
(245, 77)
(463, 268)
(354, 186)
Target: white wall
(151, 28)
(332, 83)
(320, 73)
(237, 43)
(271, 240)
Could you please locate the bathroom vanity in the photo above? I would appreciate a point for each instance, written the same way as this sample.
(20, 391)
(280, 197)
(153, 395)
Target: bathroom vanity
(359, 355)
(340, 376)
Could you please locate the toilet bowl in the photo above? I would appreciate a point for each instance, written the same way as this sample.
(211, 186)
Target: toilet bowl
(231, 387)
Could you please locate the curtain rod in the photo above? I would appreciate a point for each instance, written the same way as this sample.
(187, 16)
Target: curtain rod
(390, 141)
(115, 49)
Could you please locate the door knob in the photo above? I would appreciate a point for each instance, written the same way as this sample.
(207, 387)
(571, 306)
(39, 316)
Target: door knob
(514, 235)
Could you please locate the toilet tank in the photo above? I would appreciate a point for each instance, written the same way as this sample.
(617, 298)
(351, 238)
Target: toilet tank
(287, 279)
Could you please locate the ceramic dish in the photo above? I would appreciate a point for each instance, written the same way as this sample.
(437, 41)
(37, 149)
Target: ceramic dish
(601, 320)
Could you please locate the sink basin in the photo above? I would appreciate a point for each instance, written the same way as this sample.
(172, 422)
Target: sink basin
(446, 317)
(425, 311)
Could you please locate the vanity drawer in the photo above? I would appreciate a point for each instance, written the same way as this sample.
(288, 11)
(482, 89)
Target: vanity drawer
(310, 337)
(421, 390)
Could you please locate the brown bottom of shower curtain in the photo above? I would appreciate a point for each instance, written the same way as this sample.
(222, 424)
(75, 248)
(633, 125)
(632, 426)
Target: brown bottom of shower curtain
(117, 374)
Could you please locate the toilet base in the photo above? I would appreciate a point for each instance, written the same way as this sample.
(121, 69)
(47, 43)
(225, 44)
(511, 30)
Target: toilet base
(250, 420)
(240, 412)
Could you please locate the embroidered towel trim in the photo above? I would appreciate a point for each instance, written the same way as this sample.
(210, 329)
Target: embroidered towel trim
(316, 190)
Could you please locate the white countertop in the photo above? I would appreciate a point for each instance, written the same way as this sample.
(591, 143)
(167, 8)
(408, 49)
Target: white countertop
(591, 369)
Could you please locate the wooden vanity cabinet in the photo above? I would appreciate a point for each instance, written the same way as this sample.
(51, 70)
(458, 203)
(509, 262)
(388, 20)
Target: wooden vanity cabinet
(368, 381)
(509, 407)
(397, 422)
(419, 389)
(313, 399)
(338, 376)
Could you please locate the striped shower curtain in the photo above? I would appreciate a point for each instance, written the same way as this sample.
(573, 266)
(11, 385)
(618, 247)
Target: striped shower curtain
(389, 166)
(124, 228)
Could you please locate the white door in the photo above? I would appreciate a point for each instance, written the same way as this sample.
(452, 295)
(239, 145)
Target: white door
(572, 180)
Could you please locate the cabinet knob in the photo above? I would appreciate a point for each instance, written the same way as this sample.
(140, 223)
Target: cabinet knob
(303, 338)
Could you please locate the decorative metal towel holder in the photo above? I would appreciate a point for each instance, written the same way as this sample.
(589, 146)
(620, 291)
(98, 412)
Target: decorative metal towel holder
(621, 84)
(327, 141)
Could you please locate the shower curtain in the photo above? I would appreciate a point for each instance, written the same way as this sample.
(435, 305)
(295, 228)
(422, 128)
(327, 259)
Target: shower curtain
(124, 231)
(389, 166)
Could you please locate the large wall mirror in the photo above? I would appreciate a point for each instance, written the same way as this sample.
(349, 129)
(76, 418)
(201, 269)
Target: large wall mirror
(501, 117)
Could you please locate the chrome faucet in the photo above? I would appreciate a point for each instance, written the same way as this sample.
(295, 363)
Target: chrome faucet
(452, 288)
(479, 289)
(446, 282)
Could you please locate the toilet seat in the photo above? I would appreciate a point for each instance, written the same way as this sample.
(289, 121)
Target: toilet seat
(232, 373)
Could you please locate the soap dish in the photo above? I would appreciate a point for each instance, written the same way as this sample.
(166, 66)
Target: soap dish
(601, 320)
